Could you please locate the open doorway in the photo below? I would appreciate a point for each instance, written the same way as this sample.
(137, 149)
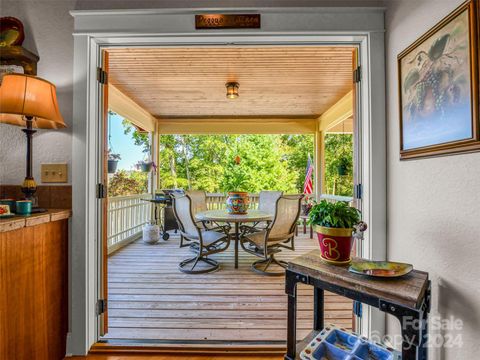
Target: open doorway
(283, 92)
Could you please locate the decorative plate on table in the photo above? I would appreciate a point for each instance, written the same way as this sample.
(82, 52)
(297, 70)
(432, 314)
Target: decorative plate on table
(386, 269)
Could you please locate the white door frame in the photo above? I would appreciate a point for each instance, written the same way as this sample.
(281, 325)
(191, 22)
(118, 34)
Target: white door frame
(95, 30)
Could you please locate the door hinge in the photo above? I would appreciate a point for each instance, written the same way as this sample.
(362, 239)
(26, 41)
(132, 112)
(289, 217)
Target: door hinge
(358, 191)
(101, 191)
(102, 76)
(101, 306)
(357, 75)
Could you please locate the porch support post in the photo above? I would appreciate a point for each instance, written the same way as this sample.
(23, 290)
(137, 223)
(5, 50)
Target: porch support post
(157, 153)
(319, 163)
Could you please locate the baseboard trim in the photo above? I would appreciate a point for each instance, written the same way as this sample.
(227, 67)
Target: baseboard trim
(143, 347)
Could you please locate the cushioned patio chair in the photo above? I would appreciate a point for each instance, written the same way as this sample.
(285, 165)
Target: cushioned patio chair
(267, 202)
(278, 234)
(199, 204)
(206, 242)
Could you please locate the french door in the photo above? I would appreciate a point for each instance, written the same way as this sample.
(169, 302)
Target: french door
(102, 191)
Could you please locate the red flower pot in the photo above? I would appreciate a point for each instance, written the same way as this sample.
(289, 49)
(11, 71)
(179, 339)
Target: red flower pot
(335, 244)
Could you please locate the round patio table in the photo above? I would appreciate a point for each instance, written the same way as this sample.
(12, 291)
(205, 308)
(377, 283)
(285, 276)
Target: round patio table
(224, 216)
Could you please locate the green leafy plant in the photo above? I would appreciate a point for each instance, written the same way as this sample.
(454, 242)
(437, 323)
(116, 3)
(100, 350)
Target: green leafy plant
(113, 156)
(334, 215)
(236, 177)
(124, 183)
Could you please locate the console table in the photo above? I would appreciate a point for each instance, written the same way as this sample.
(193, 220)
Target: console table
(407, 298)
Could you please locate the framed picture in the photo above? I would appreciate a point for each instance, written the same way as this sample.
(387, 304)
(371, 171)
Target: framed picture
(438, 88)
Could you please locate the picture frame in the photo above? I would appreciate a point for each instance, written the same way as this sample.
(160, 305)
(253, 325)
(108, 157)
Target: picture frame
(438, 88)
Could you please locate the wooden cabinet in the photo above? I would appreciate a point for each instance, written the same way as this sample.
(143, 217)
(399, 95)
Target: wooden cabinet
(34, 291)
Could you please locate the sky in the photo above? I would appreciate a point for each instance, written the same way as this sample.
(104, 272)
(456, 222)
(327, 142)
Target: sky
(123, 144)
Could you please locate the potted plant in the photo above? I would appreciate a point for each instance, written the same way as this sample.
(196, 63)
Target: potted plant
(113, 160)
(236, 178)
(237, 202)
(144, 165)
(336, 225)
(307, 205)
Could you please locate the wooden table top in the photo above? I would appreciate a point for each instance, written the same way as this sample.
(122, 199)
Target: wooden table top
(224, 216)
(408, 290)
(20, 221)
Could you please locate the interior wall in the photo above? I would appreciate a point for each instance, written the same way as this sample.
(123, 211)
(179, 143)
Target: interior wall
(433, 204)
(48, 33)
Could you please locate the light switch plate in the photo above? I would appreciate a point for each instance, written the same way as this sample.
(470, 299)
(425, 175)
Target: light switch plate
(54, 173)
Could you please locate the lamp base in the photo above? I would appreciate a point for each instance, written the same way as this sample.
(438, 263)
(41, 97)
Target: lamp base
(29, 188)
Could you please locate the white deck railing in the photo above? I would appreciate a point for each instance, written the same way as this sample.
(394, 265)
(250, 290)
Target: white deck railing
(335, 198)
(126, 217)
(217, 201)
(128, 214)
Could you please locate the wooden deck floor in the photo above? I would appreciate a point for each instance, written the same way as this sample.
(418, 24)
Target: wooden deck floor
(150, 299)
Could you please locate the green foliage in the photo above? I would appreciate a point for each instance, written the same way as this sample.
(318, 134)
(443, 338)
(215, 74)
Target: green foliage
(139, 138)
(438, 47)
(411, 79)
(235, 177)
(113, 156)
(124, 183)
(206, 162)
(334, 214)
(299, 147)
(339, 153)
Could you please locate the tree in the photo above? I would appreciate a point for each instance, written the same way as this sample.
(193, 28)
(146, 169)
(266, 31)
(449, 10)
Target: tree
(299, 147)
(206, 162)
(339, 152)
(139, 138)
(124, 183)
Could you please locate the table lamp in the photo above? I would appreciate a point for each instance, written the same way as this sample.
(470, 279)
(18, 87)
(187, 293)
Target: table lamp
(31, 102)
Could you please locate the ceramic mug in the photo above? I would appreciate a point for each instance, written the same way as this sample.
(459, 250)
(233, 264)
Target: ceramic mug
(10, 203)
(24, 207)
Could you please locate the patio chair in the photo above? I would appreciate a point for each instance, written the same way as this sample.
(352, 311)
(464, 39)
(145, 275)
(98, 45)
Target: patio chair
(206, 242)
(199, 204)
(267, 202)
(199, 200)
(279, 234)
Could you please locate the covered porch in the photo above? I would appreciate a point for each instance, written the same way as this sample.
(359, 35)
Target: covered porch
(149, 299)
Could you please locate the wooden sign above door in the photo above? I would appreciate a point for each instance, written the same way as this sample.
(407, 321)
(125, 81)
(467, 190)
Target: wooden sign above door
(227, 21)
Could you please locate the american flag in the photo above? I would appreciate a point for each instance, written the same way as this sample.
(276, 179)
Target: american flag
(308, 184)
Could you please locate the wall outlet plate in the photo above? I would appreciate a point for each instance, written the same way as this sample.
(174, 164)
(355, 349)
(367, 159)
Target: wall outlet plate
(54, 173)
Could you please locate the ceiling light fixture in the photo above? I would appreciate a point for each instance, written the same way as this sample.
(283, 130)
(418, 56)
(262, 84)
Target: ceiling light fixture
(232, 90)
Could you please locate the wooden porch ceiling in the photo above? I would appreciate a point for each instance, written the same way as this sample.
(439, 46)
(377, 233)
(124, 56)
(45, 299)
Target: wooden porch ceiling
(294, 81)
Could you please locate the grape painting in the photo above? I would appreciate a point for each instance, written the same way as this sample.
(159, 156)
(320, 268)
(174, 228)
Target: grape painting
(435, 81)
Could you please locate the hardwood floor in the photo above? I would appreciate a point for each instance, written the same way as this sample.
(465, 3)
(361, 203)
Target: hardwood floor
(172, 357)
(150, 299)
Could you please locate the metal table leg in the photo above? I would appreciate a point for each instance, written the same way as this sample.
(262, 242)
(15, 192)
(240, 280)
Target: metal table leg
(413, 323)
(318, 309)
(291, 287)
(237, 239)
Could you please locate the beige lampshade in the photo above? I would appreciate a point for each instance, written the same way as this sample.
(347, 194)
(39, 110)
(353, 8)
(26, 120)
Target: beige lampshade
(25, 95)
